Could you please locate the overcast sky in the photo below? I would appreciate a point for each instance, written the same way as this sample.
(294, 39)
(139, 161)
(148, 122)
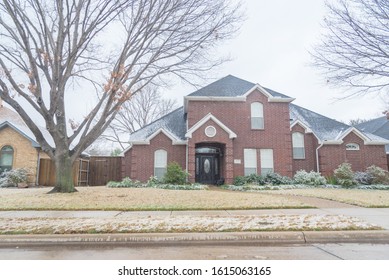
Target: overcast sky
(272, 49)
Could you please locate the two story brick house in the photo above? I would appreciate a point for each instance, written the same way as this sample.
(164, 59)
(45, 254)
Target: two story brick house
(233, 127)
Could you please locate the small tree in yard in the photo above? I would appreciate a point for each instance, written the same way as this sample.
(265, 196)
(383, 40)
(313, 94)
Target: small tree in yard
(47, 48)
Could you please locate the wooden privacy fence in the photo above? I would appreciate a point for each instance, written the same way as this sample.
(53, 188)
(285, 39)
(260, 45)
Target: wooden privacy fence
(47, 172)
(94, 171)
(104, 169)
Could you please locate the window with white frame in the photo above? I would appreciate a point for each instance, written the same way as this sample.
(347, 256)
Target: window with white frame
(298, 145)
(257, 116)
(160, 163)
(267, 164)
(250, 161)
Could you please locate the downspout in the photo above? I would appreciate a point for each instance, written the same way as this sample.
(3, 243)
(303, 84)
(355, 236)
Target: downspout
(317, 157)
(187, 160)
(38, 167)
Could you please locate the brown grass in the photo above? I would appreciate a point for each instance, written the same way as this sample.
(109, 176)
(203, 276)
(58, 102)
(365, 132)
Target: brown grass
(364, 198)
(103, 198)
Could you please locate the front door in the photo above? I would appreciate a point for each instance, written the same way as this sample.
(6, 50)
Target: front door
(207, 169)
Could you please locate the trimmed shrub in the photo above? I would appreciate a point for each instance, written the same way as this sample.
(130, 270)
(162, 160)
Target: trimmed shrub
(255, 179)
(277, 179)
(345, 175)
(379, 175)
(175, 174)
(153, 181)
(312, 178)
(240, 180)
(363, 178)
(12, 178)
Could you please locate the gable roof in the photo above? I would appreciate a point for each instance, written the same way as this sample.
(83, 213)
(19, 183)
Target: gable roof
(379, 126)
(208, 117)
(231, 86)
(173, 124)
(9, 118)
(329, 130)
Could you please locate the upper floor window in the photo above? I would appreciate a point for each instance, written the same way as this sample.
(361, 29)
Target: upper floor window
(298, 145)
(257, 116)
(160, 163)
(6, 158)
(352, 147)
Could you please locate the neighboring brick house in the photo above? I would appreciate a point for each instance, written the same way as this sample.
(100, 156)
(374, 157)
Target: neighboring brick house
(233, 127)
(18, 147)
(378, 126)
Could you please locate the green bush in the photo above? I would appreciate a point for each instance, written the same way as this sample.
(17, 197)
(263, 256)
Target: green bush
(12, 178)
(125, 183)
(312, 178)
(379, 175)
(175, 174)
(331, 180)
(268, 179)
(240, 180)
(345, 175)
(277, 179)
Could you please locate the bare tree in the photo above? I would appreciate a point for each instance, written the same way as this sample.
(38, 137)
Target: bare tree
(142, 109)
(47, 46)
(354, 52)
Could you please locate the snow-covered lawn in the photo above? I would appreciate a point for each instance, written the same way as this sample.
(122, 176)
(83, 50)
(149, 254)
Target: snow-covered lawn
(182, 223)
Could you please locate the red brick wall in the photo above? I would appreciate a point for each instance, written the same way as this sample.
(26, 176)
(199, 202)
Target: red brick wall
(333, 155)
(139, 160)
(236, 115)
(311, 143)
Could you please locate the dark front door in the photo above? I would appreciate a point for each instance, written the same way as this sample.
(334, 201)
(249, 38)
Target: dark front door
(207, 169)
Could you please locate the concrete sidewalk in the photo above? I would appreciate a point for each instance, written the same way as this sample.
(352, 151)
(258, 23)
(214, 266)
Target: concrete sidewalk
(377, 216)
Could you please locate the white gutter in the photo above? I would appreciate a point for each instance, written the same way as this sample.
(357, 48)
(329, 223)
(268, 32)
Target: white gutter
(317, 157)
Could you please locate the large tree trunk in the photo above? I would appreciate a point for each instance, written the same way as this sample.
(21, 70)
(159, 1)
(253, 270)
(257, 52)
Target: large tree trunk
(64, 174)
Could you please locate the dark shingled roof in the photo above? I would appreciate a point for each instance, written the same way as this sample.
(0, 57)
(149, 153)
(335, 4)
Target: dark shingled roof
(323, 127)
(379, 126)
(230, 86)
(174, 123)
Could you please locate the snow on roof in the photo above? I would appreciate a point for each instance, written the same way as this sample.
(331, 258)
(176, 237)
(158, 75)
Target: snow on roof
(174, 123)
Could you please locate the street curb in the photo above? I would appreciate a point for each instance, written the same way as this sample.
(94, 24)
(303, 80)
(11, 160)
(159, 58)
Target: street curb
(187, 239)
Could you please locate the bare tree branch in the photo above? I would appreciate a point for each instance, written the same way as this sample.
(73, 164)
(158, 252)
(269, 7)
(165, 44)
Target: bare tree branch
(354, 51)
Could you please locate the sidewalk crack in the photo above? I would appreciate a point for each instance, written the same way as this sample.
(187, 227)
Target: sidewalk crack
(328, 252)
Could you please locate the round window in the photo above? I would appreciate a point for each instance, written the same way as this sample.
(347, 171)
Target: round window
(210, 131)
